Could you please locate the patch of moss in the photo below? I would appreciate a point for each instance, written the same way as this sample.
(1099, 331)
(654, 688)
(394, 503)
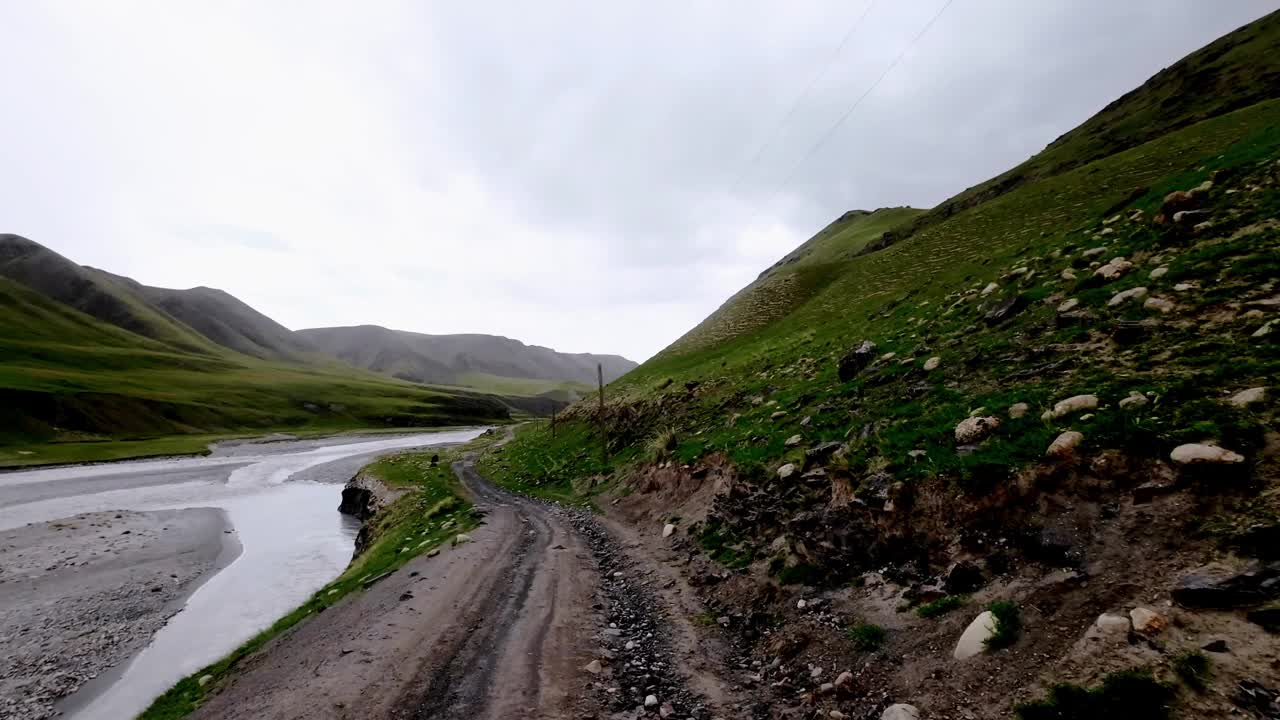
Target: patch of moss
(867, 637)
(1194, 669)
(1127, 695)
(1008, 625)
(941, 606)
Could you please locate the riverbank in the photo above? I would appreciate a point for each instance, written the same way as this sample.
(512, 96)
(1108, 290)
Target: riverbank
(80, 595)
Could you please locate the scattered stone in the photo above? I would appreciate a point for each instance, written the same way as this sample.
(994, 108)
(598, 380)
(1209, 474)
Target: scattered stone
(1093, 252)
(826, 688)
(1160, 305)
(1215, 646)
(1132, 293)
(433, 552)
(668, 530)
(844, 679)
(1268, 618)
(975, 637)
(1108, 624)
(666, 710)
(990, 288)
(1176, 201)
(1147, 621)
(1134, 401)
(1005, 310)
(594, 667)
(1018, 410)
(975, 429)
(900, 711)
(855, 360)
(1196, 454)
(1222, 587)
(1068, 305)
(888, 356)
(1245, 398)
(1183, 287)
(1116, 267)
(823, 450)
(204, 680)
(932, 363)
(1158, 272)
(1068, 274)
(1064, 446)
(963, 578)
(650, 701)
(1189, 217)
(787, 471)
(461, 538)
(1263, 331)
(778, 415)
(793, 441)
(1071, 405)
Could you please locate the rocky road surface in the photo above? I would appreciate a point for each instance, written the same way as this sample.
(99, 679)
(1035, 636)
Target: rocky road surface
(534, 617)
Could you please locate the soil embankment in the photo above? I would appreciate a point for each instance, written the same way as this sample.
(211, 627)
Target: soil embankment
(80, 595)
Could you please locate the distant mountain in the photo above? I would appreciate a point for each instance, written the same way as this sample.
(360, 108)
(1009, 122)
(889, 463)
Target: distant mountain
(458, 359)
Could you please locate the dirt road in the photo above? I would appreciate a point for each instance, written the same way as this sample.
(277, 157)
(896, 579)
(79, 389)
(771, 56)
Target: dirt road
(498, 627)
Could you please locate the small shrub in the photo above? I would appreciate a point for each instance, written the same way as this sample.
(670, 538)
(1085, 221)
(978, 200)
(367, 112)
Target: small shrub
(867, 637)
(799, 574)
(941, 606)
(1193, 667)
(1008, 625)
(662, 445)
(1127, 695)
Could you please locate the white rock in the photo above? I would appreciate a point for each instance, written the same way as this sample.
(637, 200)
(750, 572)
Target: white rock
(787, 471)
(594, 667)
(1018, 410)
(1068, 305)
(1248, 397)
(836, 715)
(793, 441)
(1147, 621)
(1196, 454)
(650, 701)
(1159, 304)
(1135, 400)
(1183, 287)
(932, 363)
(1114, 268)
(1073, 404)
(901, 711)
(825, 688)
(844, 678)
(461, 538)
(1108, 624)
(1093, 252)
(1265, 330)
(971, 430)
(1065, 444)
(1158, 272)
(204, 680)
(1068, 274)
(974, 640)
(1131, 294)
(990, 288)
(800, 604)
(668, 530)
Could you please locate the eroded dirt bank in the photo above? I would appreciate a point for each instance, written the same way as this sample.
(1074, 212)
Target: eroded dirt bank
(80, 595)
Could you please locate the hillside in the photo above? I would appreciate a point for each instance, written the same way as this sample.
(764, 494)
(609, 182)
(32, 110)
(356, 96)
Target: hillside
(1051, 397)
(482, 361)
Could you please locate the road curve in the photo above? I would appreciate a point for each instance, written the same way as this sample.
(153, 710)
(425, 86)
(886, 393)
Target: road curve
(493, 628)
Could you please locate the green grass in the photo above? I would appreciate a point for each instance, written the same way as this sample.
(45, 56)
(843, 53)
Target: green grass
(1194, 669)
(538, 464)
(941, 606)
(867, 637)
(1008, 625)
(499, 385)
(1129, 695)
(432, 513)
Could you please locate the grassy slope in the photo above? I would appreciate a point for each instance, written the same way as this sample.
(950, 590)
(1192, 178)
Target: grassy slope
(70, 383)
(433, 512)
(499, 385)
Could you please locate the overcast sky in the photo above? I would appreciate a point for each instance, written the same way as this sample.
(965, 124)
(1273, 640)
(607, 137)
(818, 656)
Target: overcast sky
(591, 176)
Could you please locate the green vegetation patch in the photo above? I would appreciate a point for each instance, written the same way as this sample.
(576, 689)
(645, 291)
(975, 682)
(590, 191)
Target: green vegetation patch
(941, 606)
(1008, 625)
(432, 513)
(1128, 695)
(1194, 669)
(867, 637)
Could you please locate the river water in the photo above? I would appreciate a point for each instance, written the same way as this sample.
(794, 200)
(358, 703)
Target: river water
(281, 499)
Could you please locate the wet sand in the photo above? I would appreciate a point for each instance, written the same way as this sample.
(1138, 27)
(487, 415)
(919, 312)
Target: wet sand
(81, 595)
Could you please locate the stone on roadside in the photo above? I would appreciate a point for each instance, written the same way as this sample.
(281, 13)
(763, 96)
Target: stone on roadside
(1135, 400)
(1073, 404)
(1064, 446)
(1018, 410)
(932, 363)
(666, 710)
(668, 530)
(974, 639)
(1147, 621)
(900, 711)
(461, 538)
(787, 471)
(1124, 295)
(433, 552)
(1245, 398)
(594, 667)
(1114, 268)
(974, 429)
(1108, 624)
(651, 701)
(1203, 454)
(844, 679)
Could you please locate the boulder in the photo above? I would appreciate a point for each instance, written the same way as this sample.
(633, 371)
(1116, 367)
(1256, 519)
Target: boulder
(963, 578)
(1005, 310)
(1222, 587)
(1113, 269)
(1073, 404)
(1147, 621)
(1125, 295)
(932, 363)
(974, 639)
(651, 701)
(1245, 398)
(668, 530)
(900, 711)
(855, 360)
(1200, 454)
(1064, 446)
(787, 471)
(975, 429)
(823, 450)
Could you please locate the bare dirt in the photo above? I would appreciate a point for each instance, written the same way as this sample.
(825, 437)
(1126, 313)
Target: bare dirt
(81, 595)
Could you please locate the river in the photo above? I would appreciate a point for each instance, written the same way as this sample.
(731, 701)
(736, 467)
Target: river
(281, 499)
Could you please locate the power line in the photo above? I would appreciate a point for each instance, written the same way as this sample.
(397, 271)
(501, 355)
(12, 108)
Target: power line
(836, 126)
(795, 105)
